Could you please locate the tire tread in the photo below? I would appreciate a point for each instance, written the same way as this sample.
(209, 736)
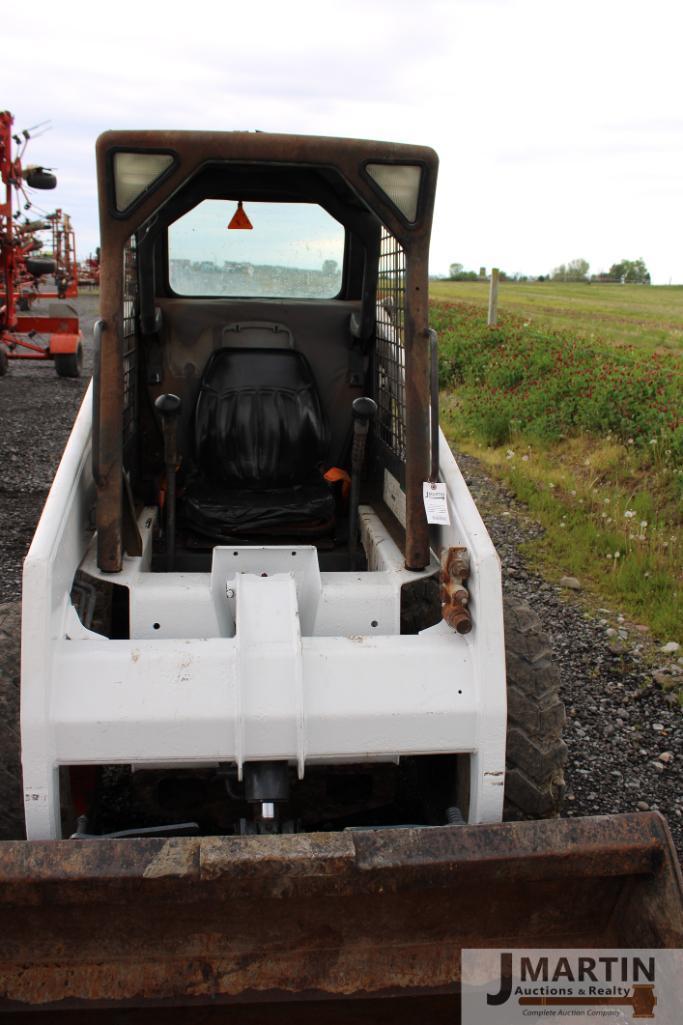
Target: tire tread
(11, 790)
(536, 753)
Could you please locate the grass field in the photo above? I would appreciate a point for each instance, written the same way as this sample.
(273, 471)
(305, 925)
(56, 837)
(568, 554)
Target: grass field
(650, 318)
(586, 431)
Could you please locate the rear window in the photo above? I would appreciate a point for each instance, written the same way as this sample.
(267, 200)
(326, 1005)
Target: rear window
(293, 250)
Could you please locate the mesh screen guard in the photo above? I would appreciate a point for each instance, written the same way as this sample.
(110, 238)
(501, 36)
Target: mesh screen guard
(130, 348)
(390, 346)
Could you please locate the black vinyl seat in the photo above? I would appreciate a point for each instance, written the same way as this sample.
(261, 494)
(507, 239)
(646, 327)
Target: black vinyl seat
(261, 440)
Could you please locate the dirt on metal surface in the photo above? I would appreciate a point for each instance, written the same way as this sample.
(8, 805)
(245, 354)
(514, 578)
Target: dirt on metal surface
(313, 916)
(399, 1010)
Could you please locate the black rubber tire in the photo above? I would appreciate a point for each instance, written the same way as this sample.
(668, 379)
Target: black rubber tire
(536, 753)
(41, 179)
(39, 265)
(70, 364)
(4, 362)
(11, 790)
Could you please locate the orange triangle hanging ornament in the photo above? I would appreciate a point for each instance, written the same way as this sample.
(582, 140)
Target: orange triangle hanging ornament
(239, 218)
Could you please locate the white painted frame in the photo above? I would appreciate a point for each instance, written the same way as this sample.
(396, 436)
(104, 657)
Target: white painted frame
(246, 667)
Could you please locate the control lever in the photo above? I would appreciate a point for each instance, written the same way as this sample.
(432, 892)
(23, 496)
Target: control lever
(168, 407)
(364, 409)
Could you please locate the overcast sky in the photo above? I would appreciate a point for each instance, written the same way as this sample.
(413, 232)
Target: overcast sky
(559, 125)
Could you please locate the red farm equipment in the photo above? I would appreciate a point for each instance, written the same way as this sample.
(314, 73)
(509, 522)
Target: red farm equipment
(56, 336)
(63, 254)
(60, 262)
(89, 271)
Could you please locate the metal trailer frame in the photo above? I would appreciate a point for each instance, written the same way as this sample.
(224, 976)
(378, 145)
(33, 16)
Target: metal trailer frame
(18, 333)
(64, 249)
(89, 272)
(63, 243)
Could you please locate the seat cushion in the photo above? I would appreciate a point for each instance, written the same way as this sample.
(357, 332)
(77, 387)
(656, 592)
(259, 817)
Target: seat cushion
(301, 510)
(258, 419)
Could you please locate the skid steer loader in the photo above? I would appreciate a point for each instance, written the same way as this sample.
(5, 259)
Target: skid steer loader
(267, 733)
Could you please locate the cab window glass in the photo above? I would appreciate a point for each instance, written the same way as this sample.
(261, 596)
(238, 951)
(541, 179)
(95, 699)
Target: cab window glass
(292, 250)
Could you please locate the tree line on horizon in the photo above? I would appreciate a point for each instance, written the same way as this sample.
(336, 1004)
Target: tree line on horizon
(626, 272)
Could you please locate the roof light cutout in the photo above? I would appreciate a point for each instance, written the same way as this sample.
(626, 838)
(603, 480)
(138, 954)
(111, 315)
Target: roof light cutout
(134, 173)
(401, 183)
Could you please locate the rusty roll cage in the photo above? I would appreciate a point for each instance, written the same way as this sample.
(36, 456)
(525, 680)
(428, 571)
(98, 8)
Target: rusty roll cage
(191, 152)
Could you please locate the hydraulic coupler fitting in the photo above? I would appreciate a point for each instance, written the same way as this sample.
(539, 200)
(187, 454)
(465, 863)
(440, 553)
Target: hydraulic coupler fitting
(455, 569)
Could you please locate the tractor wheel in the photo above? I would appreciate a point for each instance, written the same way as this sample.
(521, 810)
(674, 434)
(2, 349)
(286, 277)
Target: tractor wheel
(69, 364)
(11, 795)
(39, 178)
(39, 265)
(536, 753)
(4, 362)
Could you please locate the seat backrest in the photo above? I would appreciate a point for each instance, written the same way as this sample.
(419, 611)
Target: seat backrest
(258, 419)
(255, 334)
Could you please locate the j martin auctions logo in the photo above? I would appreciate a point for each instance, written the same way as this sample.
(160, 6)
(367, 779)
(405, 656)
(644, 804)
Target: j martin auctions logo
(602, 981)
(615, 987)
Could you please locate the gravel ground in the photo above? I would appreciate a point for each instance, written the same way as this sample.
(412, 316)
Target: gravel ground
(624, 733)
(37, 410)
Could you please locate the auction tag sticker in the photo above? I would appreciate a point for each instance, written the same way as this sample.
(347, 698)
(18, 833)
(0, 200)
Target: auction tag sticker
(436, 504)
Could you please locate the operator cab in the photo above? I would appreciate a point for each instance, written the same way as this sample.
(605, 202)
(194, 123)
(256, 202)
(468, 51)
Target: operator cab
(259, 302)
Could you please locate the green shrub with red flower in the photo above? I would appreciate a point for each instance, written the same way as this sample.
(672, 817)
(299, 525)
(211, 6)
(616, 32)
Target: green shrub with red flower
(516, 379)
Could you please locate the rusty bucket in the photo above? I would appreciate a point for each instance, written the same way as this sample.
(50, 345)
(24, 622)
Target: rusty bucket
(231, 929)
